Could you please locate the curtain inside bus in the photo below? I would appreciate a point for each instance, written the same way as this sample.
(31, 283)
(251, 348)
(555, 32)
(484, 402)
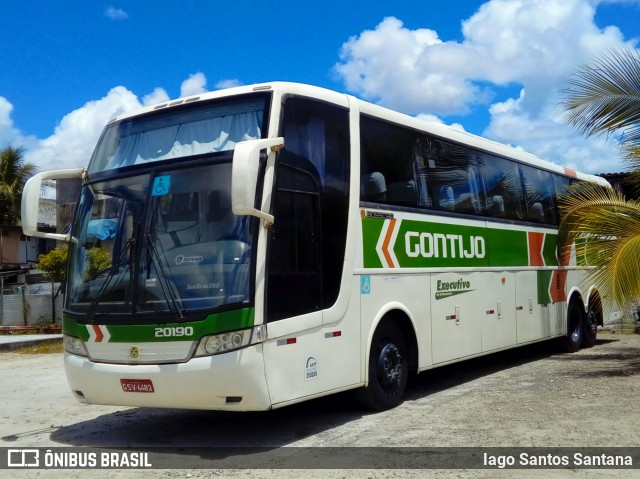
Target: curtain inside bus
(181, 132)
(187, 139)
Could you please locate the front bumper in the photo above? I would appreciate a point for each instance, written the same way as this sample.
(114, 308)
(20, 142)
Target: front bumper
(233, 381)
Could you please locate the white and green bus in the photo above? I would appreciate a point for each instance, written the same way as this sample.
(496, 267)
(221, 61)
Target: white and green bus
(274, 243)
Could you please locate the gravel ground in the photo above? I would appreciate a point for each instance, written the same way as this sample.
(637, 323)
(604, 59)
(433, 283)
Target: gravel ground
(529, 397)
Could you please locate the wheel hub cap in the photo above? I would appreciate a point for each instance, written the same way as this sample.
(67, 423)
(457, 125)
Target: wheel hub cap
(389, 365)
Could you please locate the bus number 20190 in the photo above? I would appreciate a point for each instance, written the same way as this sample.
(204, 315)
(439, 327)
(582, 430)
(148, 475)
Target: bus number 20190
(174, 332)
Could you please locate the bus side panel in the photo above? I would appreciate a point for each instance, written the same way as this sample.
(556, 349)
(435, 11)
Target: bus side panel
(498, 310)
(455, 315)
(408, 293)
(535, 320)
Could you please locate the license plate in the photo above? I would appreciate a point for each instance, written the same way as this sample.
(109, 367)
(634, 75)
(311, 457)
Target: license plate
(137, 385)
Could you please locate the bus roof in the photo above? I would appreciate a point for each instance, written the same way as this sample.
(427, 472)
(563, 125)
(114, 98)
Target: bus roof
(438, 129)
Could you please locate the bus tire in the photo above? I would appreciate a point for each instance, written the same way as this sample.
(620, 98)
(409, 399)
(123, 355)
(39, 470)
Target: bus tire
(590, 332)
(575, 327)
(388, 369)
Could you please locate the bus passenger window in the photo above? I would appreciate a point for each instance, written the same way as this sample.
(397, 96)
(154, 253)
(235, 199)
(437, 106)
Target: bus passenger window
(452, 175)
(539, 195)
(501, 179)
(387, 164)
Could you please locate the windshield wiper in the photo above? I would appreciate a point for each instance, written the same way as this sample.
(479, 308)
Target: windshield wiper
(128, 247)
(169, 294)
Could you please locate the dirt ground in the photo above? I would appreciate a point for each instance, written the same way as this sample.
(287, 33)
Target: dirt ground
(531, 397)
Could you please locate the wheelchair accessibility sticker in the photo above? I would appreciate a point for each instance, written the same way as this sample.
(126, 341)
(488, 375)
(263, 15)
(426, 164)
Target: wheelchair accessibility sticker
(365, 284)
(161, 185)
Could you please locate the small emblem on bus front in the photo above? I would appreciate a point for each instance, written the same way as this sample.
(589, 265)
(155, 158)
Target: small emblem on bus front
(134, 352)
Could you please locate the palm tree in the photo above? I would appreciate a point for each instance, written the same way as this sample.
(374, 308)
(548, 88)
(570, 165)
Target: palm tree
(14, 173)
(604, 98)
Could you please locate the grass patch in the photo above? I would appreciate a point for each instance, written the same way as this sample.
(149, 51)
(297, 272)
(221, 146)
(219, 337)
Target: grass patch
(41, 348)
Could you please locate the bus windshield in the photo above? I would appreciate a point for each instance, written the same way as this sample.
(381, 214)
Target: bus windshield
(179, 133)
(159, 242)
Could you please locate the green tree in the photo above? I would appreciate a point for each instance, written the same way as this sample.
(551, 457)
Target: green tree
(99, 260)
(14, 173)
(603, 98)
(54, 268)
(54, 264)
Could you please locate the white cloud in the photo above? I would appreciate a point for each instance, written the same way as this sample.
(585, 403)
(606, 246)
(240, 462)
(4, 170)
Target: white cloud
(228, 83)
(387, 65)
(9, 134)
(434, 119)
(116, 13)
(545, 136)
(75, 137)
(159, 95)
(194, 85)
(534, 44)
(428, 117)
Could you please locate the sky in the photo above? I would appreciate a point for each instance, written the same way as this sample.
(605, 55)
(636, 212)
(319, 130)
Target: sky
(495, 68)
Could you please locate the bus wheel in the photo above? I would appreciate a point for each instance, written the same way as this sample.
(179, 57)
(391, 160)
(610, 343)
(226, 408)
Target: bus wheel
(590, 332)
(575, 329)
(388, 369)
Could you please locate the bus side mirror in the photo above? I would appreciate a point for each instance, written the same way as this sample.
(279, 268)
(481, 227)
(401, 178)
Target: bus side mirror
(31, 201)
(244, 176)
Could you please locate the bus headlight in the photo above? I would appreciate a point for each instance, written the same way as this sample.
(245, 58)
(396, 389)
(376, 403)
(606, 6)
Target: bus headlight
(222, 343)
(75, 346)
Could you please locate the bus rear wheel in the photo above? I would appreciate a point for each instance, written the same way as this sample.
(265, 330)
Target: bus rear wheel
(388, 369)
(575, 327)
(591, 325)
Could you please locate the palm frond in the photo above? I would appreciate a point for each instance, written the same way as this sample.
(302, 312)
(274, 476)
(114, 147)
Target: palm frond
(616, 271)
(604, 97)
(606, 231)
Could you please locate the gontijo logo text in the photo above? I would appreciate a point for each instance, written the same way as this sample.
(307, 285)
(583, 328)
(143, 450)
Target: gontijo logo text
(404, 243)
(440, 245)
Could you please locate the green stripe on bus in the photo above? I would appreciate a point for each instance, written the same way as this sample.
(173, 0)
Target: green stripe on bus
(126, 333)
(231, 320)
(72, 328)
(422, 244)
(371, 230)
(549, 249)
(544, 282)
(507, 247)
